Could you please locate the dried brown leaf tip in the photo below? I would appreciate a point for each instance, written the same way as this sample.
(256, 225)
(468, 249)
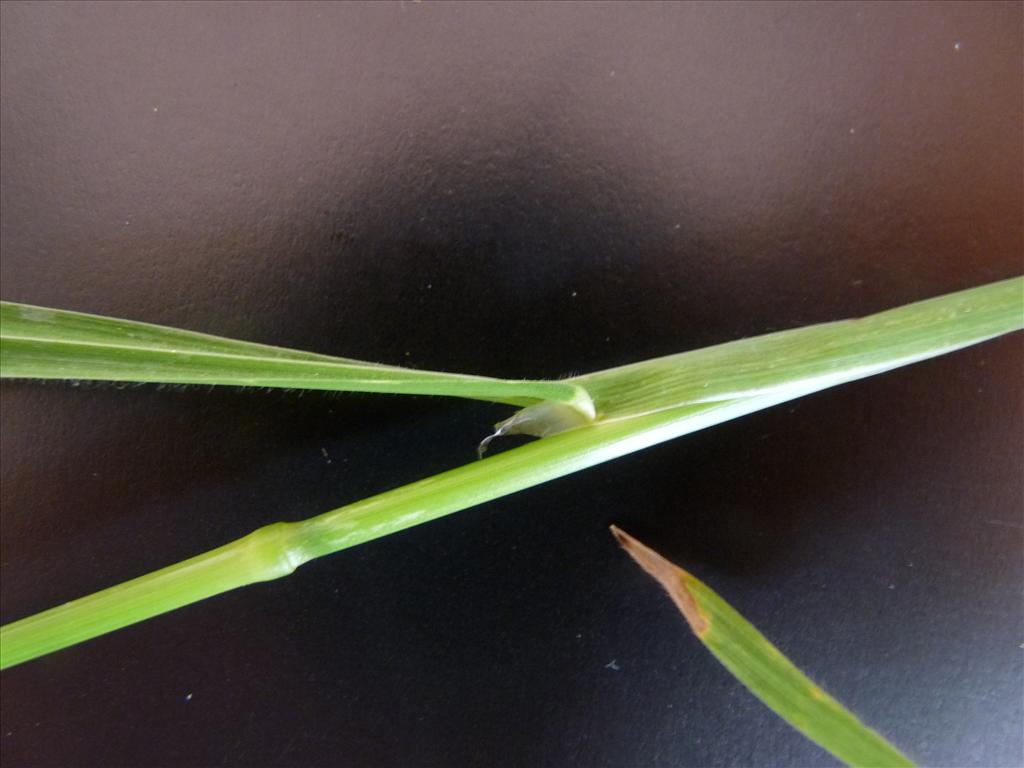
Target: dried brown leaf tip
(673, 578)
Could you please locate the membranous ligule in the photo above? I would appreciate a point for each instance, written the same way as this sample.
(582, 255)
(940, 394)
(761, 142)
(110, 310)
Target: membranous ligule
(539, 420)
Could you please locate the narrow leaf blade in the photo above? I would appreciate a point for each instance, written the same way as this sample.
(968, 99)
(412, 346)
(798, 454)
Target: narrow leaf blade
(762, 668)
(42, 343)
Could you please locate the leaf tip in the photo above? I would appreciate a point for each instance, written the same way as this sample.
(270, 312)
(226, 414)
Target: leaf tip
(672, 578)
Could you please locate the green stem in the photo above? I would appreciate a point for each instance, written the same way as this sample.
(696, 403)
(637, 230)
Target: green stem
(263, 555)
(276, 550)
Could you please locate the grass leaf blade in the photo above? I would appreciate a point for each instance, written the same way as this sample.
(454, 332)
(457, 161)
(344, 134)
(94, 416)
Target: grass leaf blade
(42, 343)
(762, 668)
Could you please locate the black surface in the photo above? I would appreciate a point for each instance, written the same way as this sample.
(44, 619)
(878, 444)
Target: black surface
(515, 190)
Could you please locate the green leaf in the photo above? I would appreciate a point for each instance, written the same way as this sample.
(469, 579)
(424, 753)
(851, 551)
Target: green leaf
(41, 343)
(762, 667)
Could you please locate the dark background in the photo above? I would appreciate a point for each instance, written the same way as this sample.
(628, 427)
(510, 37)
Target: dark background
(514, 190)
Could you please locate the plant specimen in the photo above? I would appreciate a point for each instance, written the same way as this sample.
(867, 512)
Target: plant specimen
(582, 421)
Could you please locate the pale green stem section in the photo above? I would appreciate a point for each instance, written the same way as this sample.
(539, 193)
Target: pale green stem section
(262, 555)
(629, 423)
